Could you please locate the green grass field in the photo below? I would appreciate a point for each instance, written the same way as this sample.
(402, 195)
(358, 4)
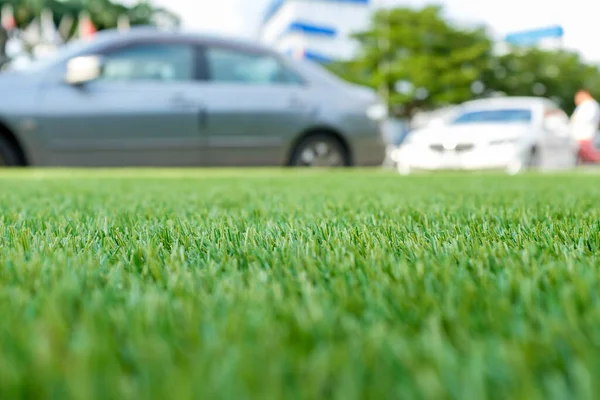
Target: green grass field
(270, 284)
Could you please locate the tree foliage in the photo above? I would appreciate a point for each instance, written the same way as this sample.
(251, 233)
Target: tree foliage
(445, 64)
(441, 62)
(554, 74)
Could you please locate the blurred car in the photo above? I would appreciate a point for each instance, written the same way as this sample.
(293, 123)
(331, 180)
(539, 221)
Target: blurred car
(509, 133)
(162, 98)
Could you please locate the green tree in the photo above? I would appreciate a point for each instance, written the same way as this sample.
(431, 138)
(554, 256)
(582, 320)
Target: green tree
(555, 74)
(436, 62)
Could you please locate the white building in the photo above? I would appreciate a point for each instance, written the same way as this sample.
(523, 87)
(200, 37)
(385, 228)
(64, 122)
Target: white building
(315, 29)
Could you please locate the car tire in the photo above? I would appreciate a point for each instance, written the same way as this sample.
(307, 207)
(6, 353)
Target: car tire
(9, 156)
(320, 150)
(533, 160)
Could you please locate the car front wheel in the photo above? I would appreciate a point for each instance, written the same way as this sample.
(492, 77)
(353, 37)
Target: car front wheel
(320, 150)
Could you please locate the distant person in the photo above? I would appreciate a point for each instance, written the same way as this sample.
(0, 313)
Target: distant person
(585, 123)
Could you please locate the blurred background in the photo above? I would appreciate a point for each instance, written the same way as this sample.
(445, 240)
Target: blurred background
(423, 58)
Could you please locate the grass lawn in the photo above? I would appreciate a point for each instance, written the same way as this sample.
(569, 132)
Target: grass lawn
(270, 284)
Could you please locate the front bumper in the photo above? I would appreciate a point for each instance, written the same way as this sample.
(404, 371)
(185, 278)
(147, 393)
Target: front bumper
(421, 157)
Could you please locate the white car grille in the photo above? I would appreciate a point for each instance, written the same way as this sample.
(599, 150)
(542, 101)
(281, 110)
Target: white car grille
(459, 148)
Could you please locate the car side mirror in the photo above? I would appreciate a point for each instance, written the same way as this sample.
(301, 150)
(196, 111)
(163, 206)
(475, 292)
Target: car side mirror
(84, 69)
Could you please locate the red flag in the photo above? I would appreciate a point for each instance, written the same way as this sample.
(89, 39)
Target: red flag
(87, 28)
(8, 18)
(90, 29)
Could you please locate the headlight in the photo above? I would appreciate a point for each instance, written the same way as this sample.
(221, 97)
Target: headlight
(377, 112)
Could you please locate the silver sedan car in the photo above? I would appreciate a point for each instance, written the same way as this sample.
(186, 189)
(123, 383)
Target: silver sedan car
(156, 98)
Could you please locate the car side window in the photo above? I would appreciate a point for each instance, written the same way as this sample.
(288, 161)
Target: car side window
(237, 66)
(150, 62)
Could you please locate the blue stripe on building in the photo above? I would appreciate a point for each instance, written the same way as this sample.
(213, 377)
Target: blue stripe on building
(534, 36)
(310, 29)
(277, 4)
(314, 56)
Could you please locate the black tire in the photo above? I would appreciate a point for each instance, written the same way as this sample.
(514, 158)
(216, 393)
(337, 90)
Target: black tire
(9, 156)
(534, 160)
(329, 149)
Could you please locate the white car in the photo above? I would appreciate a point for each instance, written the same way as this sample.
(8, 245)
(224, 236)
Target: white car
(507, 133)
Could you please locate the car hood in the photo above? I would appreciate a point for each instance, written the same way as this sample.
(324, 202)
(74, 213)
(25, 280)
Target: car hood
(15, 79)
(363, 93)
(472, 133)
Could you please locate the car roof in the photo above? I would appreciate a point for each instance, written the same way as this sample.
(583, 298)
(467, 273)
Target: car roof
(109, 36)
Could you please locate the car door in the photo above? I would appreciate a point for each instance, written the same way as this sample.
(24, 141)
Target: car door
(255, 106)
(136, 113)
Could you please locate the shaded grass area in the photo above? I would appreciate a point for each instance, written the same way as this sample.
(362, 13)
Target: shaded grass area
(230, 284)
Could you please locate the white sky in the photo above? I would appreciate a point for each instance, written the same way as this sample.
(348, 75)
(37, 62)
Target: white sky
(578, 17)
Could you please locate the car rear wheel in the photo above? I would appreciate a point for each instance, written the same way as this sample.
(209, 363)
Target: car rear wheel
(320, 150)
(9, 157)
(534, 160)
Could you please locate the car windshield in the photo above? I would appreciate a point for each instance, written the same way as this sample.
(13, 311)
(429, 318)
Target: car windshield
(498, 116)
